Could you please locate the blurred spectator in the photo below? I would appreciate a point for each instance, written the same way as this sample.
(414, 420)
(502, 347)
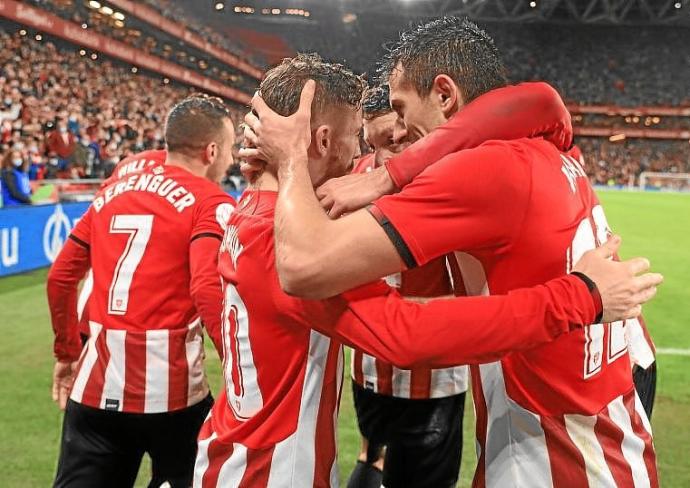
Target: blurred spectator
(61, 142)
(16, 188)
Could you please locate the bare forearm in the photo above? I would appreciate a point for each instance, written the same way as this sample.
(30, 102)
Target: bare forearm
(311, 249)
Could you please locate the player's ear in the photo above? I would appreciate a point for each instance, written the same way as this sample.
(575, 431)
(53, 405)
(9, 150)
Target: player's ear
(447, 95)
(211, 152)
(321, 140)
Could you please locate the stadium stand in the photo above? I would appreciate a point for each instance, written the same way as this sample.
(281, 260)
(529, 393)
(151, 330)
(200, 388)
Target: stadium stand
(108, 111)
(138, 33)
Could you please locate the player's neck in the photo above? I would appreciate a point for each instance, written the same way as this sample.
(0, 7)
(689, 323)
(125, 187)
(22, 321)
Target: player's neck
(197, 168)
(266, 181)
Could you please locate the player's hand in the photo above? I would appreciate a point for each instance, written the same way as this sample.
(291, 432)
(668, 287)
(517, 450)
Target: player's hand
(63, 377)
(624, 285)
(352, 192)
(276, 139)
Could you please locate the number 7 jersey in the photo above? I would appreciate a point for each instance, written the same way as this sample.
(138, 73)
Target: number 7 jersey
(145, 350)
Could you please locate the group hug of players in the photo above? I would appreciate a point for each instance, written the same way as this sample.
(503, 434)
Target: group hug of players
(495, 252)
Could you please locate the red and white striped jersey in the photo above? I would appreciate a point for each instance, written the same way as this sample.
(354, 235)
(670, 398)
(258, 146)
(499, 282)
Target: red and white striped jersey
(434, 279)
(145, 237)
(640, 345)
(563, 413)
(274, 422)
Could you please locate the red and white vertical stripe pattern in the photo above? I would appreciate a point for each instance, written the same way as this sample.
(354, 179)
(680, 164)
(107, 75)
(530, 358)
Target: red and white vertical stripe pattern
(520, 448)
(418, 383)
(149, 371)
(306, 458)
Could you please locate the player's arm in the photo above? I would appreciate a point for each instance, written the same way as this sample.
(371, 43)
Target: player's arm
(205, 288)
(69, 268)
(317, 257)
(205, 285)
(447, 332)
(512, 112)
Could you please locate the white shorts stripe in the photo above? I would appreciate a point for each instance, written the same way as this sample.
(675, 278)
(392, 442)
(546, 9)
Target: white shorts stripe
(632, 446)
(232, 471)
(202, 461)
(157, 364)
(114, 378)
(90, 356)
(581, 431)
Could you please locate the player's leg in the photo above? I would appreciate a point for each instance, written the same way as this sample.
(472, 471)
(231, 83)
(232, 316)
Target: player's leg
(171, 441)
(98, 448)
(425, 445)
(645, 384)
(373, 412)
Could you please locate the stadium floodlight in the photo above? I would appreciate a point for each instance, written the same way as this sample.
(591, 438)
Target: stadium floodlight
(94, 4)
(678, 5)
(533, 4)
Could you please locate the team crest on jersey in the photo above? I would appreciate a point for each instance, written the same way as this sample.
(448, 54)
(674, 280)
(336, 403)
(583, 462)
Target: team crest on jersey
(231, 244)
(223, 212)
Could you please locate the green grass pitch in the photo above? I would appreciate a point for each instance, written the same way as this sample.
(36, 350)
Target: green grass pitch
(653, 225)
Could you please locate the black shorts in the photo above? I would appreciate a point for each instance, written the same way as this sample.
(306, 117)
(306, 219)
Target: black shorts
(101, 448)
(645, 384)
(423, 438)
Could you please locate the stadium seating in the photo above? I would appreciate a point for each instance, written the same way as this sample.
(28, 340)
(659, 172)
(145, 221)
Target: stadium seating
(110, 111)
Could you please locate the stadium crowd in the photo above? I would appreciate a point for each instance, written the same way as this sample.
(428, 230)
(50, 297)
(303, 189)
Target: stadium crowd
(70, 116)
(136, 33)
(620, 163)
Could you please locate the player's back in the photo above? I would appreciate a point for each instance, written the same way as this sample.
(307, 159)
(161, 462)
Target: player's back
(282, 378)
(145, 349)
(569, 405)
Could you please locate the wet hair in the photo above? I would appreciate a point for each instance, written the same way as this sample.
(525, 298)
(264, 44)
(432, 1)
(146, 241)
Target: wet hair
(336, 86)
(376, 102)
(195, 122)
(453, 46)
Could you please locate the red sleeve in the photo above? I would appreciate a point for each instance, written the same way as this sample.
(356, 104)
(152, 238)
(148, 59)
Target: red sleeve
(205, 288)
(213, 215)
(472, 200)
(82, 231)
(465, 330)
(63, 280)
(512, 112)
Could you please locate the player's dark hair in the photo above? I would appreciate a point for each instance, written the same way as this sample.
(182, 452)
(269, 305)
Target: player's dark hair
(336, 86)
(453, 46)
(376, 102)
(195, 122)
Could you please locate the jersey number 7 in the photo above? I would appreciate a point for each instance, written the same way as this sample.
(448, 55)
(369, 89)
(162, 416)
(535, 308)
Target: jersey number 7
(139, 229)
